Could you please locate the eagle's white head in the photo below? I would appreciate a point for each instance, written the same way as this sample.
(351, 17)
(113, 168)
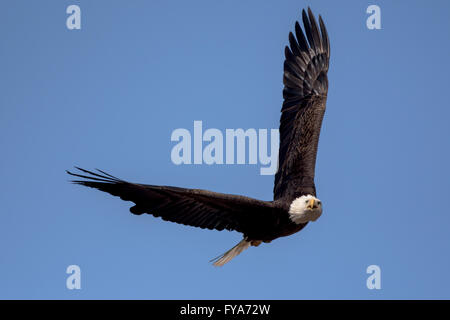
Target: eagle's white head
(305, 208)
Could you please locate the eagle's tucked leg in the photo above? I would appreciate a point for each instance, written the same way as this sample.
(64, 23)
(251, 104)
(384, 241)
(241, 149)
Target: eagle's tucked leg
(255, 243)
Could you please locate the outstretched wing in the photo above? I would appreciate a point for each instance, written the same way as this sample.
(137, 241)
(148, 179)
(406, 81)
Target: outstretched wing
(193, 207)
(305, 92)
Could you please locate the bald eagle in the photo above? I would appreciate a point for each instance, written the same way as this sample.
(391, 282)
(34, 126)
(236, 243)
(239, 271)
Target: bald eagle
(295, 202)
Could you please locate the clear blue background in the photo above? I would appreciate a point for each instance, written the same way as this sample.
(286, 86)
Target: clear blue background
(110, 95)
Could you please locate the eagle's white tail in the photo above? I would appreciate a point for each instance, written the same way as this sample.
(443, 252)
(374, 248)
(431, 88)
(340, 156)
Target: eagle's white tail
(230, 254)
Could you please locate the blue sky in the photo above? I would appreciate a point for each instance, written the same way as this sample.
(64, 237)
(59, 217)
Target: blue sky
(109, 96)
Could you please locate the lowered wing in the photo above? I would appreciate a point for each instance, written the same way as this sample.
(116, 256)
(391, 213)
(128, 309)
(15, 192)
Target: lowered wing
(193, 207)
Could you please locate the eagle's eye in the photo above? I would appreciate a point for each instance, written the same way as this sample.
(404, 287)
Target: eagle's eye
(306, 201)
(319, 203)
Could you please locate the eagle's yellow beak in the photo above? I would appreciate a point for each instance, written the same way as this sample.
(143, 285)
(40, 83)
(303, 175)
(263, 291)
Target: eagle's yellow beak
(310, 204)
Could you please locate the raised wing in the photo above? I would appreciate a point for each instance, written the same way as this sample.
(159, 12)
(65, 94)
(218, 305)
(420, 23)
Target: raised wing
(305, 92)
(193, 207)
